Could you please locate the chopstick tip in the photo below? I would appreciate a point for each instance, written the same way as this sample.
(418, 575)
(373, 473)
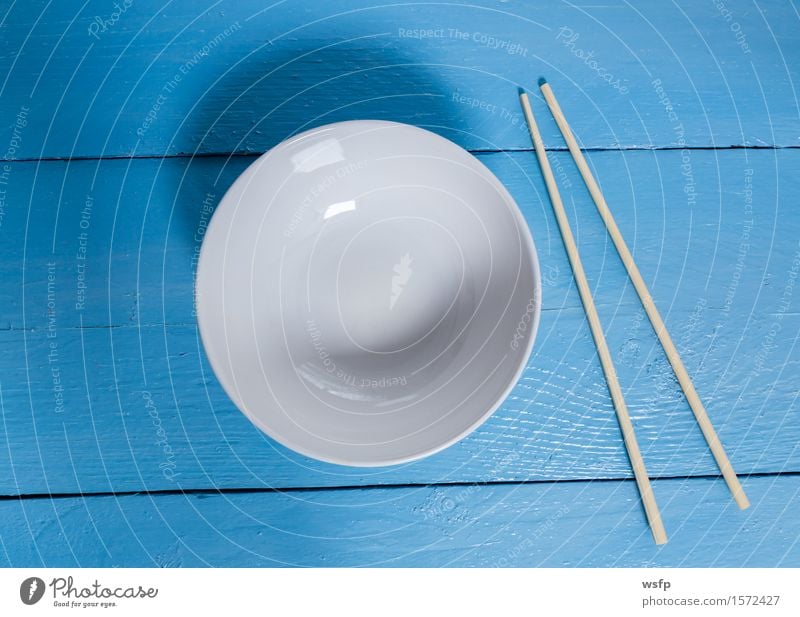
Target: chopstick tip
(742, 501)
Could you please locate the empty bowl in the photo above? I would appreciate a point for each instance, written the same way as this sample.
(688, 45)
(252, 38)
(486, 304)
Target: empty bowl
(367, 293)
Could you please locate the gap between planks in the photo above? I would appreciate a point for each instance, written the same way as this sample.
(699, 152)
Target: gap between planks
(355, 487)
(245, 154)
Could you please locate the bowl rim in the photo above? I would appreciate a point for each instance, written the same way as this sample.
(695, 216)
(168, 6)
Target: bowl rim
(533, 329)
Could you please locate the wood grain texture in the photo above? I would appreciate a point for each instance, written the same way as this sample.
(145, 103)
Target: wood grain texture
(103, 383)
(239, 76)
(551, 524)
(142, 410)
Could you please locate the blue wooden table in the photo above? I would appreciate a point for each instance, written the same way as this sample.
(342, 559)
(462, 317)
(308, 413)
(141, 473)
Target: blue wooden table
(122, 126)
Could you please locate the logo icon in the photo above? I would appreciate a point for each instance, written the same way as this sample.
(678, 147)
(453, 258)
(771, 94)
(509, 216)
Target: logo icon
(31, 590)
(402, 274)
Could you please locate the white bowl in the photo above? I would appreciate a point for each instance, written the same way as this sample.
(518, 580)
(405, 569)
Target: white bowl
(367, 293)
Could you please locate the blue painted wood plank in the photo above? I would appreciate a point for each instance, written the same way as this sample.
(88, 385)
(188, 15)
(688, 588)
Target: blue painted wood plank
(581, 524)
(110, 430)
(124, 235)
(208, 76)
(722, 262)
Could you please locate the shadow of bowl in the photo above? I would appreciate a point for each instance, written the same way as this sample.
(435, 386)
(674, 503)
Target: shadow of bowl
(283, 89)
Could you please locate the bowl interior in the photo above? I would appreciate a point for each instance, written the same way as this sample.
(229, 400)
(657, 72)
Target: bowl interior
(367, 293)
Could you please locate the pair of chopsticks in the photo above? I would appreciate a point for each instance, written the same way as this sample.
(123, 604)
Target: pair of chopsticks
(628, 433)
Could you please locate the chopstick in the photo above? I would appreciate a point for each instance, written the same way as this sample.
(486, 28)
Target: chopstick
(649, 306)
(626, 426)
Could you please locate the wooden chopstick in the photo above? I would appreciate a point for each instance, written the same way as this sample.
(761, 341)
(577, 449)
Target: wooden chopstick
(647, 301)
(626, 426)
